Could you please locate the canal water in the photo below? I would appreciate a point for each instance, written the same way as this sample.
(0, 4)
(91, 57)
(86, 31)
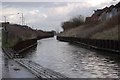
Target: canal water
(73, 60)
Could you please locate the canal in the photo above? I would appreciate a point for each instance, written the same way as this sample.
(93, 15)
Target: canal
(73, 60)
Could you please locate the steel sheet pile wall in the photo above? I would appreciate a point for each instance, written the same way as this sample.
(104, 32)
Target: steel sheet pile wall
(24, 44)
(111, 45)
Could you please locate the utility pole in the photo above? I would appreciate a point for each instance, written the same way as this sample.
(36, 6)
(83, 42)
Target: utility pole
(22, 18)
(5, 19)
(24, 21)
(5, 23)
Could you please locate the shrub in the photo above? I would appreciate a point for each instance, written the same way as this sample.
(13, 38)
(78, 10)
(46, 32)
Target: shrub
(73, 22)
(76, 21)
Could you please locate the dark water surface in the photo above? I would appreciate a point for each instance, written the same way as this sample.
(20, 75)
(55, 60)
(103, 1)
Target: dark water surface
(74, 61)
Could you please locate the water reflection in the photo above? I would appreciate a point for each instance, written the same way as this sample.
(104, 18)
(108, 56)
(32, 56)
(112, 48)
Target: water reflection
(74, 61)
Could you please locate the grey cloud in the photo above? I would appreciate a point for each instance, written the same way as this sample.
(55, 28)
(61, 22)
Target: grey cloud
(53, 20)
(83, 11)
(109, 3)
(33, 4)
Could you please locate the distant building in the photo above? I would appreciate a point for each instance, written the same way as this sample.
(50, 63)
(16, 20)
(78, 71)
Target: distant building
(108, 13)
(104, 14)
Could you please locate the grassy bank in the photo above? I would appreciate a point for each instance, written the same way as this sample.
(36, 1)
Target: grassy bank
(14, 33)
(101, 30)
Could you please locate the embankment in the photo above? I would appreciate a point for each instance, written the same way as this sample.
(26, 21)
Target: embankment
(106, 45)
(21, 37)
(99, 31)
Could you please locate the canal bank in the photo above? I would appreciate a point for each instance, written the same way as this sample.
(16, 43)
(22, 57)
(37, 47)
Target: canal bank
(13, 70)
(1, 62)
(21, 37)
(97, 44)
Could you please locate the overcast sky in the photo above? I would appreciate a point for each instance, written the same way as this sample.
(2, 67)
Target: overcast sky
(49, 15)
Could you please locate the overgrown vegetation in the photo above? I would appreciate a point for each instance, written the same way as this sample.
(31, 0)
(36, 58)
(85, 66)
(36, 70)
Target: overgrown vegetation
(100, 30)
(78, 20)
(8, 40)
(73, 22)
(110, 29)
